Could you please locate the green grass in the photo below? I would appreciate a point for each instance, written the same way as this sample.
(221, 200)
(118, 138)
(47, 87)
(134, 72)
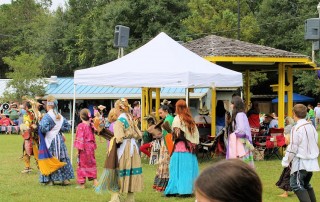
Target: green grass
(15, 186)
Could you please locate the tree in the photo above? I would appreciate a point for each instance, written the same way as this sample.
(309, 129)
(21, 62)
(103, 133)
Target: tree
(308, 82)
(220, 17)
(282, 26)
(24, 27)
(26, 76)
(282, 23)
(86, 29)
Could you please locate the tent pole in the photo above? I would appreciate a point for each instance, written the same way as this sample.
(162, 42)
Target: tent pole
(143, 109)
(213, 110)
(281, 93)
(73, 120)
(187, 96)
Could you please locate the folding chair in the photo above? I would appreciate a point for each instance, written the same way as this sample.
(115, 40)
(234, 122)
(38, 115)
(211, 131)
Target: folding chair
(275, 142)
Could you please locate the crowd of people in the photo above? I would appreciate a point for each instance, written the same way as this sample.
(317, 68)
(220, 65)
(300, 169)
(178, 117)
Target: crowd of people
(173, 140)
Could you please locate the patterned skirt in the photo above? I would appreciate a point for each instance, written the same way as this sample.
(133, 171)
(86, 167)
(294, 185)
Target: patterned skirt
(248, 158)
(162, 175)
(59, 150)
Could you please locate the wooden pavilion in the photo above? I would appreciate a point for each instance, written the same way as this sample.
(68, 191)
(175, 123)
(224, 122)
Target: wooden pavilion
(246, 57)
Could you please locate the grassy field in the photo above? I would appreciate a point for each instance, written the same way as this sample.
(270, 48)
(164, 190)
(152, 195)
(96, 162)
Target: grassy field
(15, 186)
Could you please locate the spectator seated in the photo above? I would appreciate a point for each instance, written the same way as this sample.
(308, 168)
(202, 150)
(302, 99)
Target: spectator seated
(7, 125)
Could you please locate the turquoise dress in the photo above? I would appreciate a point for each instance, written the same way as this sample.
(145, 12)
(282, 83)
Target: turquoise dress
(183, 167)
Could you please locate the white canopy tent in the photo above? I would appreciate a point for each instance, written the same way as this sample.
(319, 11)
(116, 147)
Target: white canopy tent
(162, 62)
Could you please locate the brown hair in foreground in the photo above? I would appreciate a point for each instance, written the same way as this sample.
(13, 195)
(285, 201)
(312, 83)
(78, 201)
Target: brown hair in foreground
(300, 111)
(229, 180)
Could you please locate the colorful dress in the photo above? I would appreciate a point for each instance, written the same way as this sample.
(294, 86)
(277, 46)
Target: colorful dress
(30, 136)
(183, 166)
(123, 171)
(86, 145)
(162, 175)
(240, 140)
(56, 146)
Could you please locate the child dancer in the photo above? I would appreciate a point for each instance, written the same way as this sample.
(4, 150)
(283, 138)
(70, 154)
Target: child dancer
(86, 144)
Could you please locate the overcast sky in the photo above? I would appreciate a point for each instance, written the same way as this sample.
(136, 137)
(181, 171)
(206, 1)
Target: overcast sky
(55, 3)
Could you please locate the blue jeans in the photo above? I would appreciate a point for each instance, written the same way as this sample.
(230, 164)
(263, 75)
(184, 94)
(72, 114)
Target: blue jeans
(313, 121)
(300, 180)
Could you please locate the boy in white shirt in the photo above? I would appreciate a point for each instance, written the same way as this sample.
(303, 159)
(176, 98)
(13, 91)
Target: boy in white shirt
(317, 114)
(303, 152)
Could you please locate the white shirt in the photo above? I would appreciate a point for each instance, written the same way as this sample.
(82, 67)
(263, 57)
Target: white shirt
(303, 149)
(193, 138)
(273, 123)
(317, 111)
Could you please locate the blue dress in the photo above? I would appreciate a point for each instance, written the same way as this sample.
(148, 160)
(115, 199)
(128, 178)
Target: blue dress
(58, 149)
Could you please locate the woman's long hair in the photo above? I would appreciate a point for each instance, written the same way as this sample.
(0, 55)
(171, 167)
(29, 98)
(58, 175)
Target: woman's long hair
(184, 113)
(238, 106)
(254, 108)
(179, 136)
(220, 110)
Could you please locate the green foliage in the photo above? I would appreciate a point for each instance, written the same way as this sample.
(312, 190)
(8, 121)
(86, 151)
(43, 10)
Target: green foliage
(25, 74)
(24, 26)
(257, 77)
(220, 17)
(83, 35)
(282, 23)
(308, 82)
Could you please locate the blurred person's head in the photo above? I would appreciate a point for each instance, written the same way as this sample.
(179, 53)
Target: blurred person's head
(268, 118)
(237, 104)
(299, 112)
(85, 114)
(113, 115)
(185, 115)
(228, 180)
(289, 121)
(164, 110)
(122, 105)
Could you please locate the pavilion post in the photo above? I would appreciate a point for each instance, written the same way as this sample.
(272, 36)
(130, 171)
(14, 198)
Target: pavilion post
(281, 93)
(290, 91)
(247, 89)
(157, 102)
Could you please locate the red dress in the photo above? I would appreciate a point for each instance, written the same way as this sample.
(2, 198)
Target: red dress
(86, 145)
(254, 120)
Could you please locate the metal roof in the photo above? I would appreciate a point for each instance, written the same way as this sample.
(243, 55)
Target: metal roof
(62, 88)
